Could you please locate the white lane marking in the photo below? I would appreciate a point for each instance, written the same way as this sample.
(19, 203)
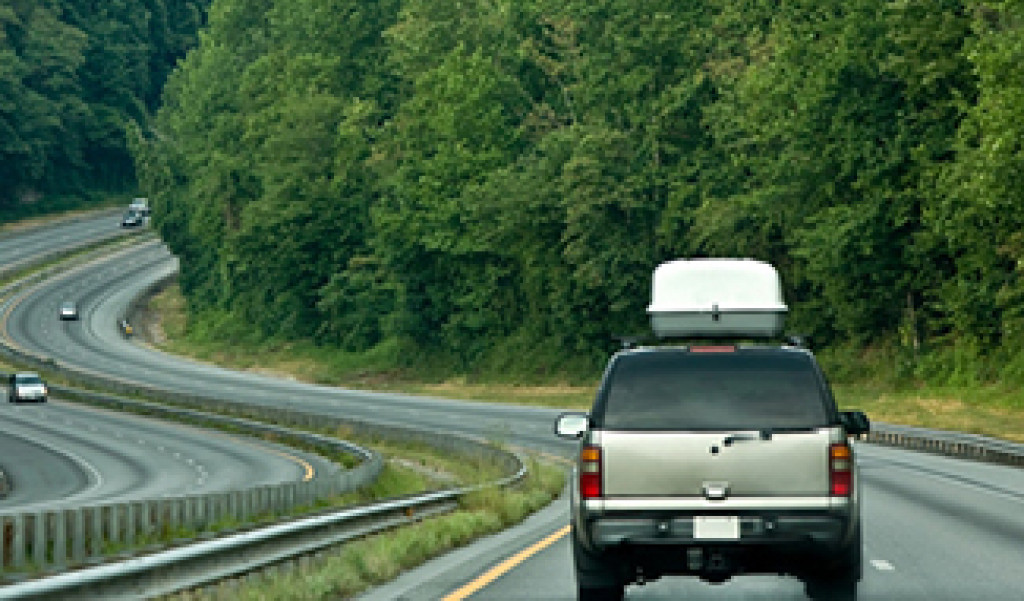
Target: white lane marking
(97, 477)
(882, 565)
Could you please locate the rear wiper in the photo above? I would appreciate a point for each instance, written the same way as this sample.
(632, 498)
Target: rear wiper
(765, 434)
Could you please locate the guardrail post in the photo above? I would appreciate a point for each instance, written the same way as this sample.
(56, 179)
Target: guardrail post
(245, 498)
(150, 517)
(188, 514)
(114, 523)
(202, 512)
(60, 538)
(39, 539)
(96, 532)
(129, 525)
(6, 540)
(174, 515)
(217, 505)
(78, 535)
(262, 500)
(289, 498)
(19, 542)
(275, 499)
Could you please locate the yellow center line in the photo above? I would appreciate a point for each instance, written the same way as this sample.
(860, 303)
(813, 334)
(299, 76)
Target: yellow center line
(506, 566)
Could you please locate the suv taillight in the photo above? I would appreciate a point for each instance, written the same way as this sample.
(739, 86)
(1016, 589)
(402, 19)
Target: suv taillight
(840, 470)
(590, 472)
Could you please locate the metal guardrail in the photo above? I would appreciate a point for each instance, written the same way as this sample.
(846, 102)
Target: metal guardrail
(57, 539)
(954, 444)
(65, 544)
(230, 556)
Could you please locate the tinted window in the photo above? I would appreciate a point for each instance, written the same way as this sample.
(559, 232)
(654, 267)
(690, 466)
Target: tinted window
(670, 390)
(28, 380)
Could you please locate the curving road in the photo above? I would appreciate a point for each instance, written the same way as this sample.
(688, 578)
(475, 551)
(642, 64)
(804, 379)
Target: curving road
(60, 455)
(936, 528)
(22, 247)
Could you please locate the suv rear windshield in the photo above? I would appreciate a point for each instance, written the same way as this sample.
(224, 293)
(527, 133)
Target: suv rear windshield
(681, 390)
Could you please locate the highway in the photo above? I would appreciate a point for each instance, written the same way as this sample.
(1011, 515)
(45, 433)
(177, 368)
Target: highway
(935, 527)
(59, 455)
(25, 245)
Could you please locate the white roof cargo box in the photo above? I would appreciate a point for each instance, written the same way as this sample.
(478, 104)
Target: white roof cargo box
(716, 298)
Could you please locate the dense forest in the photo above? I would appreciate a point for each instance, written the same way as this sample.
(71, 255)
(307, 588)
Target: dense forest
(74, 76)
(490, 182)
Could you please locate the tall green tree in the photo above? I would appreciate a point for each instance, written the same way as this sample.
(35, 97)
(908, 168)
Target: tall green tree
(979, 217)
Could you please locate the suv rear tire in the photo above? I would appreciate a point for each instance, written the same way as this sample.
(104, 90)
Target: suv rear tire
(604, 593)
(597, 579)
(839, 583)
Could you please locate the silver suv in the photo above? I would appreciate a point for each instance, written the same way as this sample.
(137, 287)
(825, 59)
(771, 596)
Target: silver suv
(712, 461)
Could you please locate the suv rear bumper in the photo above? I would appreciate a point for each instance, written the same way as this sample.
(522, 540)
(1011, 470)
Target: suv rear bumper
(794, 529)
(799, 544)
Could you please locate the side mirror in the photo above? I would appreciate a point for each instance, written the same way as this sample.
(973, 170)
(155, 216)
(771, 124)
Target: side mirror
(572, 425)
(855, 422)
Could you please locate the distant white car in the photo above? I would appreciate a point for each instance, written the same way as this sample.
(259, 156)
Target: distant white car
(26, 386)
(68, 311)
(140, 206)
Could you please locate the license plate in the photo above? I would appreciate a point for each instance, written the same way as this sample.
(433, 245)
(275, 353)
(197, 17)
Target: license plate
(716, 527)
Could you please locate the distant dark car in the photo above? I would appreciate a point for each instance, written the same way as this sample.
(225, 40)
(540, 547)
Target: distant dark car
(26, 386)
(68, 311)
(132, 219)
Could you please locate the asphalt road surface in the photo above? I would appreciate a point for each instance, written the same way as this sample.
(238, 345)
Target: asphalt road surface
(22, 246)
(61, 455)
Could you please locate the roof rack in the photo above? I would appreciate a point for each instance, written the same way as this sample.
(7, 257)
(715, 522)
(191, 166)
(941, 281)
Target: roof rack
(628, 342)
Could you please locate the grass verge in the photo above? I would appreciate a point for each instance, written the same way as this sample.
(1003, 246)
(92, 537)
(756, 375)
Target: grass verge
(357, 566)
(991, 410)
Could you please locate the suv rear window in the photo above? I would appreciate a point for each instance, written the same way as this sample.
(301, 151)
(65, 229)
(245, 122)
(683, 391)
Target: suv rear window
(680, 390)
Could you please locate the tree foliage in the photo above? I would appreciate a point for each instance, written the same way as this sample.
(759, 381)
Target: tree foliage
(73, 76)
(488, 180)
